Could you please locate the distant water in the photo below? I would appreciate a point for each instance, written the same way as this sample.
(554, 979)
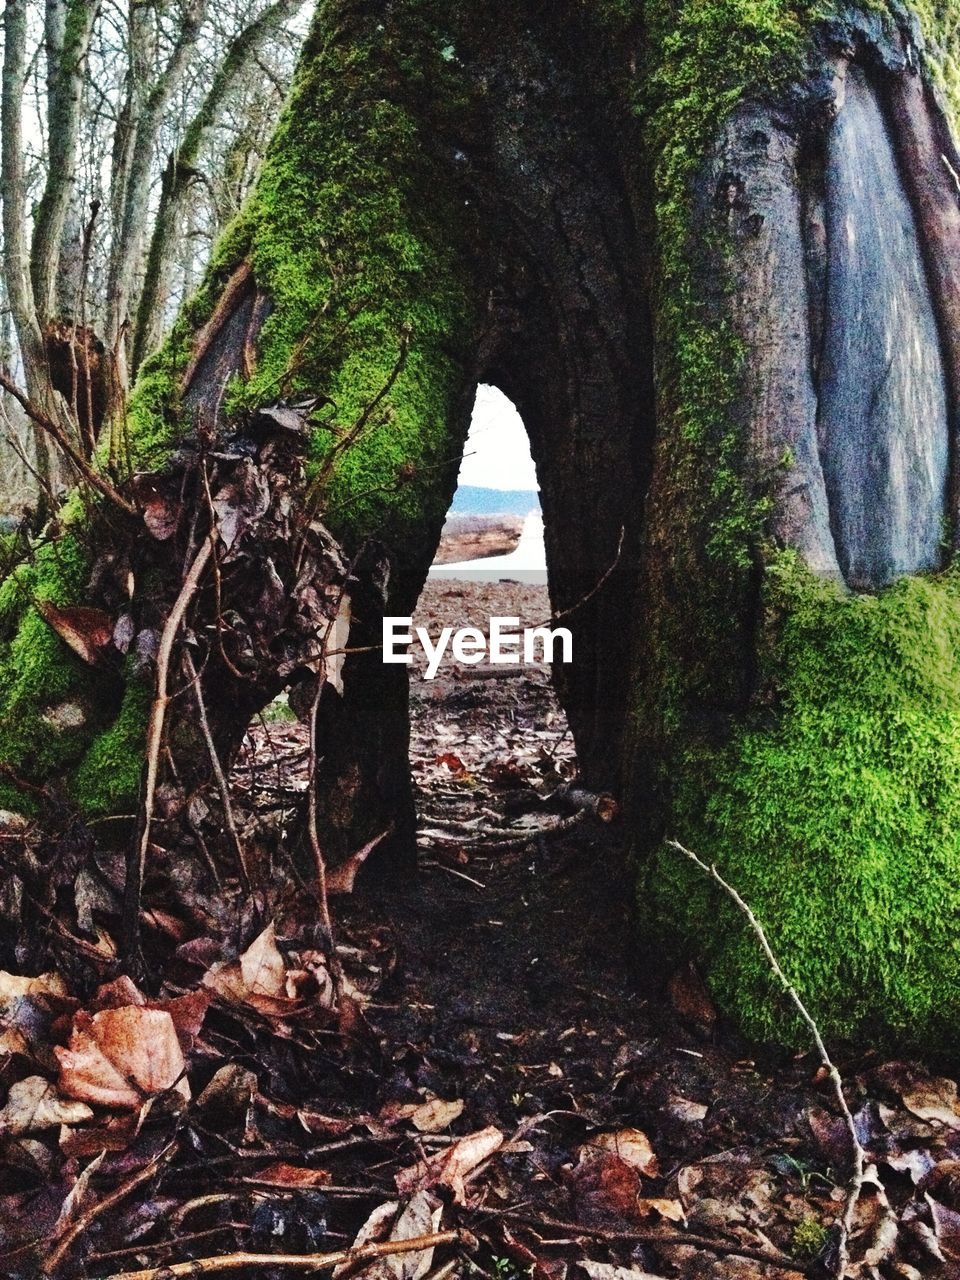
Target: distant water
(527, 562)
(474, 500)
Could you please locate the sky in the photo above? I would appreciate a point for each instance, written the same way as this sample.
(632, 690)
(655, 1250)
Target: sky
(497, 453)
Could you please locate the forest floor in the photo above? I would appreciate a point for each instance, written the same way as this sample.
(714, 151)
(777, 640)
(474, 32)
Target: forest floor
(503, 1077)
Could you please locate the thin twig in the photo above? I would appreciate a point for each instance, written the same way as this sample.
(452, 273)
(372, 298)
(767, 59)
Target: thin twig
(222, 785)
(134, 882)
(655, 1235)
(299, 1261)
(66, 1242)
(597, 586)
(845, 1223)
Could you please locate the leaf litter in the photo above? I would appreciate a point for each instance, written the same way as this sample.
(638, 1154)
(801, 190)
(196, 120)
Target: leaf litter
(527, 1093)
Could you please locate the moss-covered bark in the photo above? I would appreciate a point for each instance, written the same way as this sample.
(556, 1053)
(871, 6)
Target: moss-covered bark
(801, 736)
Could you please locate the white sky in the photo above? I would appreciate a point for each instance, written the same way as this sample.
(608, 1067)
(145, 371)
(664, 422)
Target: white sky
(497, 452)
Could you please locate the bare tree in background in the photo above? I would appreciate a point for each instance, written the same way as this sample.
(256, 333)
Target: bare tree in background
(131, 131)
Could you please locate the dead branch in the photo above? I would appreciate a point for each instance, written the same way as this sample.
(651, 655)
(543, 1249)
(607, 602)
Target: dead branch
(300, 1261)
(222, 785)
(600, 803)
(137, 864)
(654, 1235)
(66, 1242)
(597, 586)
(859, 1155)
(63, 442)
(504, 841)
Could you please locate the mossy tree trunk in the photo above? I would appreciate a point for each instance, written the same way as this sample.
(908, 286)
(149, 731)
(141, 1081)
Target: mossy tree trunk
(707, 249)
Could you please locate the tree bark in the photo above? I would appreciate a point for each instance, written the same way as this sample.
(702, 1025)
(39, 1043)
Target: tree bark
(707, 250)
(180, 173)
(68, 30)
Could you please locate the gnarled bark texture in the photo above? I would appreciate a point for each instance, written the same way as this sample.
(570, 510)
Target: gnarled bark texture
(707, 250)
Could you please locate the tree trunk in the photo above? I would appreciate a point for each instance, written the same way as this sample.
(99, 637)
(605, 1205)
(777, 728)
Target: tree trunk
(708, 251)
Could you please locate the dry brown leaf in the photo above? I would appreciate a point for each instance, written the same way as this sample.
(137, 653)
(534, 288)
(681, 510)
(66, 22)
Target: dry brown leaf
(121, 1057)
(230, 1090)
(14, 987)
(374, 1228)
(671, 1210)
(604, 1188)
(341, 879)
(293, 1175)
(88, 632)
(686, 1110)
(261, 966)
(632, 1146)
(78, 1195)
(420, 1217)
(436, 1115)
(452, 1167)
(946, 1226)
(933, 1100)
(35, 1104)
(607, 1271)
(259, 978)
(335, 643)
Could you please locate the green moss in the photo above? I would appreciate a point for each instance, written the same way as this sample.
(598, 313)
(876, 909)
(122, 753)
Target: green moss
(55, 705)
(38, 672)
(108, 779)
(809, 1239)
(354, 233)
(355, 238)
(835, 812)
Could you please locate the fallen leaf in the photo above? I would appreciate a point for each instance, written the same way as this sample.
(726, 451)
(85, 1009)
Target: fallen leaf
(229, 1091)
(436, 1115)
(420, 1217)
(452, 762)
(632, 1146)
(933, 1099)
(88, 632)
(687, 1111)
(452, 1167)
(341, 879)
(261, 965)
(13, 987)
(79, 1193)
(260, 979)
(335, 644)
(605, 1189)
(671, 1210)
(34, 1104)
(293, 1175)
(373, 1229)
(121, 1057)
(946, 1225)
(607, 1271)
